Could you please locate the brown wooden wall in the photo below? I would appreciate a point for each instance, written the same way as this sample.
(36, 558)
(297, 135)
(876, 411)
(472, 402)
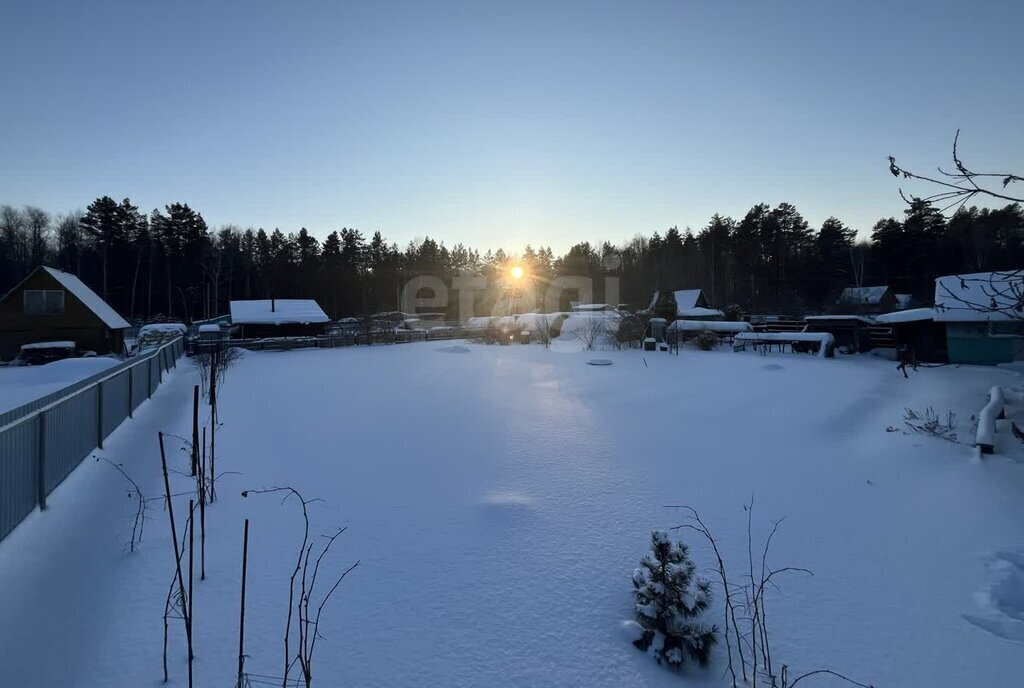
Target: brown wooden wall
(77, 323)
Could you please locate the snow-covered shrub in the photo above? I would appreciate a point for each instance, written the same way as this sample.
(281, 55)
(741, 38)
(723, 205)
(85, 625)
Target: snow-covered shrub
(706, 340)
(733, 312)
(669, 603)
(631, 330)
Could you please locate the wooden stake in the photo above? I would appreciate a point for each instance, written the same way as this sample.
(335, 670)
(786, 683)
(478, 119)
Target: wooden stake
(185, 609)
(191, 568)
(241, 614)
(202, 513)
(214, 361)
(195, 429)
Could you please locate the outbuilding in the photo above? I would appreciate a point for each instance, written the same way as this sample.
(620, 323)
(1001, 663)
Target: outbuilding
(51, 305)
(263, 318)
(983, 314)
(851, 332)
(878, 299)
(915, 332)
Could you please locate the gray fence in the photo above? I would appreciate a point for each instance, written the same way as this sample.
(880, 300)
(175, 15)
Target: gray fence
(43, 441)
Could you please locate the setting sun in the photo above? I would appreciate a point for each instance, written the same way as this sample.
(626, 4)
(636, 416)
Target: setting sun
(516, 272)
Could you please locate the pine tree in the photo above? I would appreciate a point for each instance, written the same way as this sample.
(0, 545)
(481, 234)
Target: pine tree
(669, 602)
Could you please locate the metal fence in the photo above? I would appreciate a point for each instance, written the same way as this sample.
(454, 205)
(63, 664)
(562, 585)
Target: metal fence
(43, 441)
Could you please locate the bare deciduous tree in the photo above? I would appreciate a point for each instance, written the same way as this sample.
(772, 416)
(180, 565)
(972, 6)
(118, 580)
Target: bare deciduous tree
(962, 185)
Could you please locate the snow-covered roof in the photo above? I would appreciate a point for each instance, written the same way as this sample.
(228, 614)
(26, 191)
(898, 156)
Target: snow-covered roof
(980, 297)
(838, 316)
(49, 345)
(698, 312)
(911, 315)
(869, 296)
(285, 311)
(654, 301)
(687, 298)
(89, 299)
(209, 328)
(591, 306)
(710, 325)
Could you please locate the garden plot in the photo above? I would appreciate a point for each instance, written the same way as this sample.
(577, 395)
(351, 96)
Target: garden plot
(499, 500)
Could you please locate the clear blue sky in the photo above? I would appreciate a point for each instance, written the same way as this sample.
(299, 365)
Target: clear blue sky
(500, 123)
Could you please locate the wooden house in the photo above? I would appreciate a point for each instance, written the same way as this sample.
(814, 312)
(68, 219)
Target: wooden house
(50, 305)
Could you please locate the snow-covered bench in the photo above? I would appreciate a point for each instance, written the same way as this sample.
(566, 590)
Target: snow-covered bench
(821, 343)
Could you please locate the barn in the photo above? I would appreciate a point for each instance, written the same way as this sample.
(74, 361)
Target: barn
(261, 318)
(50, 305)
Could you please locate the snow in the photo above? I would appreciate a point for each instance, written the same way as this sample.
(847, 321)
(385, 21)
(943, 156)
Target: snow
(980, 297)
(49, 345)
(21, 384)
(173, 329)
(698, 312)
(89, 298)
(710, 325)
(827, 318)
(912, 315)
(825, 340)
(499, 502)
(591, 307)
(686, 299)
(290, 311)
(209, 329)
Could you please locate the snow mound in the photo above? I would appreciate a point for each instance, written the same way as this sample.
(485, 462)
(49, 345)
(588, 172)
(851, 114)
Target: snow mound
(631, 630)
(455, 349)
(773, 366)
(1003, 602)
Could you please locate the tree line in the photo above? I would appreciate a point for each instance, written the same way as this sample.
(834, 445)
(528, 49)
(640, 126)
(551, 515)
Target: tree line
(170, 264)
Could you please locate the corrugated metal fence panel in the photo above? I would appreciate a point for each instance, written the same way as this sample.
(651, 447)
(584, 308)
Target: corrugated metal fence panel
(72, 428)
(71, 433)
(28, 408)
(155, 375)
(140, 384)
(115, 401)
(19, 480)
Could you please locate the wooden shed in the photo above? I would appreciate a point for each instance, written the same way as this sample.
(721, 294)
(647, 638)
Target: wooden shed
(916, 334)
(851, 332)
(50, 305)
(263, 318)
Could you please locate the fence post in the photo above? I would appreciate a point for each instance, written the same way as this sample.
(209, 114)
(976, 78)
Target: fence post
(99, 415)
(149, 390)
(131, 393)
(41, 462)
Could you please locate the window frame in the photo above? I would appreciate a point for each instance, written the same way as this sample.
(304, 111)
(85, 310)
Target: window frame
(46, 295)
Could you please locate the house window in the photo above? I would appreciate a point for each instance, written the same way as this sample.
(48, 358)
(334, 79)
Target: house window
(44, 301)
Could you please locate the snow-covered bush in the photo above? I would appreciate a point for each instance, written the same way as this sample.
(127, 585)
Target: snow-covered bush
(631, 331)
(706, 340)
(669, 603)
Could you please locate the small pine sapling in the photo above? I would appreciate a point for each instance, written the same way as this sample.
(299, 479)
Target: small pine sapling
(669, 603)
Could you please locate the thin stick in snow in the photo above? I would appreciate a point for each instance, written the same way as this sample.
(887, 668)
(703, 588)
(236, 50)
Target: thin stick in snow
(174, 538)
(191, 568)
(241, 614)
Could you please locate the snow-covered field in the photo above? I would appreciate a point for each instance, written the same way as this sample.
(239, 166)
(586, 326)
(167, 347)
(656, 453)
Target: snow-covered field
(21, 384)
(498, 499)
